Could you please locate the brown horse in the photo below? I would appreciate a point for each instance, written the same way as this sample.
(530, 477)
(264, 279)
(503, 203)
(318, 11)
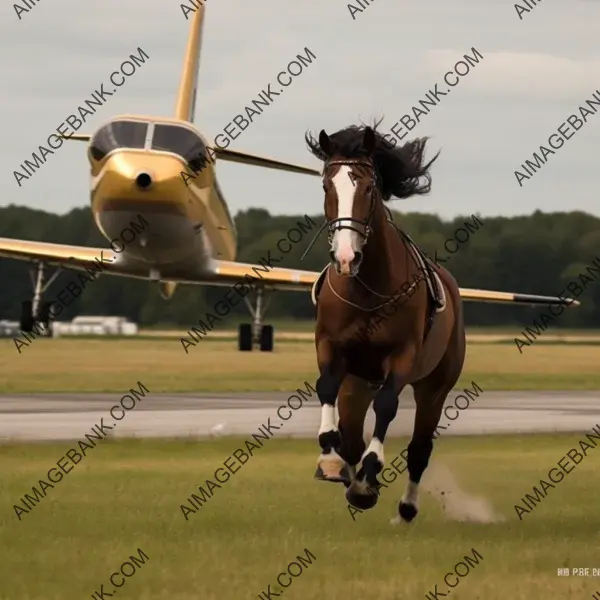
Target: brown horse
(378, 268)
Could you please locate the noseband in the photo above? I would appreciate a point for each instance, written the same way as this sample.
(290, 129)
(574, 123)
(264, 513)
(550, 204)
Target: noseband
(362, 227)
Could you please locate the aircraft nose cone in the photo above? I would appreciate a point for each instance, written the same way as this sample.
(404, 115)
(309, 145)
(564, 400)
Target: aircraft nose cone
(143, 181)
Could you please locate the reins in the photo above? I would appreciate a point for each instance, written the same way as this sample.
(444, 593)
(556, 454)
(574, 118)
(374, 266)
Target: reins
(389, 299)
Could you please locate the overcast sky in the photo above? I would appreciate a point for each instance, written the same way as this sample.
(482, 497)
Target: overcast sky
(534, 74)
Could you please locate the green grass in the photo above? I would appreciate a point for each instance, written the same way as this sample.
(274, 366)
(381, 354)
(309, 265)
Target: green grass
(126, 495)
(104, 365)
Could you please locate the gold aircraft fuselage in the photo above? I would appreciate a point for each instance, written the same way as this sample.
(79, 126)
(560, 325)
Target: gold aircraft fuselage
(137, 166)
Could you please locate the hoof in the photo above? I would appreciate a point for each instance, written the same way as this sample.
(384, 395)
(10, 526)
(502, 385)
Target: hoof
(361, 501)
(407, 511)
(351, 472)
(331, 467)
(370, 468)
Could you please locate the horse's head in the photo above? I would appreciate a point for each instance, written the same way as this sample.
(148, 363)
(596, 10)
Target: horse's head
(350, 186)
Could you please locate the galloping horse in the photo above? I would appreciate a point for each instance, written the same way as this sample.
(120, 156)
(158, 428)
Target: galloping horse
(378, 267)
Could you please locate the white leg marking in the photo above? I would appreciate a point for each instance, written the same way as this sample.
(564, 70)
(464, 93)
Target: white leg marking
(327, 419)
(361, 486)
(411, 493)
(377, 447)
(345, 242)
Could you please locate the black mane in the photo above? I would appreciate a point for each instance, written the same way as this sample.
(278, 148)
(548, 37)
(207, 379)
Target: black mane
(399, 169)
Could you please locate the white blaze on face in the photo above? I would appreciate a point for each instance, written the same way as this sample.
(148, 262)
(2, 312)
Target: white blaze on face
(345, 241)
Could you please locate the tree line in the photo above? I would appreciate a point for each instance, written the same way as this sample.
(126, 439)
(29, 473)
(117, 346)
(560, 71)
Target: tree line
(539, 253)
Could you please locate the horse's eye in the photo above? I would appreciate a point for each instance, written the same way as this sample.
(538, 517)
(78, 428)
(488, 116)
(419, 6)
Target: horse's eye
(369, 188)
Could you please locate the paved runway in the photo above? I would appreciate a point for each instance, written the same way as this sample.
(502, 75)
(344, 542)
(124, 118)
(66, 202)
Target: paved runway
(71, 416)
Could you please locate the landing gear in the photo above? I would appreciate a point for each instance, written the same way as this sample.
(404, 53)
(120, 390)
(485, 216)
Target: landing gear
(35, 314)
(245, 337)
(27, 320)
(256, 333)
(266, 338)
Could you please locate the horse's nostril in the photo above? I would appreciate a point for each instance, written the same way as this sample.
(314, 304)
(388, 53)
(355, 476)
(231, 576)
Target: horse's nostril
(357, 257)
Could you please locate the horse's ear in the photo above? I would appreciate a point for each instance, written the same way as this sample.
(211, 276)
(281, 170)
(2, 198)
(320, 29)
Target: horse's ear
(325, 142)
(369, 141)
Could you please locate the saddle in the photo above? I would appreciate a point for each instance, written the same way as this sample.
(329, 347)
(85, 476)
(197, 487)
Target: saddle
(435, 288)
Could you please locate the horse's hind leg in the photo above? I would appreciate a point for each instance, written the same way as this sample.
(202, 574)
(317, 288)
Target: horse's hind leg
(429, 409)
(430, 395)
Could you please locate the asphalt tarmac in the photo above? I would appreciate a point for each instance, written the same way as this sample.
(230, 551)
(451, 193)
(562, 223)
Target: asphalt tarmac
(71, 416)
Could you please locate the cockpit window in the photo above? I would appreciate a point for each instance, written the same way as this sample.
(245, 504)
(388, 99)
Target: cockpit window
(118, 134)
(181, 141)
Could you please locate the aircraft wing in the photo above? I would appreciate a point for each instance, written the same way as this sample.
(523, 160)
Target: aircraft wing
(263, 161)
(223, 273)
(57, 255)
(228, 273)
(474, 295)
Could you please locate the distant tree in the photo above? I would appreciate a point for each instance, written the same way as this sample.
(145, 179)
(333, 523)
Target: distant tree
(538, 253)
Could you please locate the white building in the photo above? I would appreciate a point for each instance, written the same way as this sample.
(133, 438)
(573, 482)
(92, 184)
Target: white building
(89, 325)
(84, 325)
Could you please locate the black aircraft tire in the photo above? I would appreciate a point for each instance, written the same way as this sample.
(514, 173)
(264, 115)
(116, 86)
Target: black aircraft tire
(266, 338)
(245, 337)
(26, 323)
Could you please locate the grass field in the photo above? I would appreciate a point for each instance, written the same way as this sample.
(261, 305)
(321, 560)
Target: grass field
(103, 365)
(126, 495)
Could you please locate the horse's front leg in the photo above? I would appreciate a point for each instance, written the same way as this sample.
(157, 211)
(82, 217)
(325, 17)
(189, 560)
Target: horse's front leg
(385, 407)
(354, 398)
(330, 465)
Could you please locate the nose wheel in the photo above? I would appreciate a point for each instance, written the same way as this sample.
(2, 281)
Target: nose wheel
(255, 333)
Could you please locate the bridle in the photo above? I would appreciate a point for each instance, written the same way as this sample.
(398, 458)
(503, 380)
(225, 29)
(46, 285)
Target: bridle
(362, 227)
(337, 224)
